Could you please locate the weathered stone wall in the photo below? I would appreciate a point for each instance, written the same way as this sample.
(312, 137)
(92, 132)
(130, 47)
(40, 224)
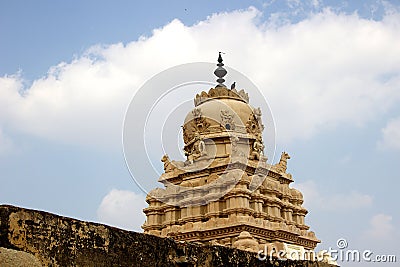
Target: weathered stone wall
(10, 257)
(59, 241)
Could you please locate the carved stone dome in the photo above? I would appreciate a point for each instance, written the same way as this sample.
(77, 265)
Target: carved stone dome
(296, 193)
(223, 123)
(222, 110)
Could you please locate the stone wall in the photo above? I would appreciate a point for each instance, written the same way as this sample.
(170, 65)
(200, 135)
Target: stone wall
(60, 241)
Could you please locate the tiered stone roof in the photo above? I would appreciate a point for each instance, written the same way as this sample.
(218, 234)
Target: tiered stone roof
(226, 192)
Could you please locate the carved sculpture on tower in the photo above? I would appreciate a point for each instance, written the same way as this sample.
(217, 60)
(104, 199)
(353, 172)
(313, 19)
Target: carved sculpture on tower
(225, 192)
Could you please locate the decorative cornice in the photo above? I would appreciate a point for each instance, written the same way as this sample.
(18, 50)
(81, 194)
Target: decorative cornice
(221, 93)
(221, 232)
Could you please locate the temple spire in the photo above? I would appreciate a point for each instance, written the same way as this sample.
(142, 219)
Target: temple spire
(220, 72)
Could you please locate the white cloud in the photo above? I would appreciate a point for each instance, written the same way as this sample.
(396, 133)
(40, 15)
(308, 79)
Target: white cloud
(313, 198)
(122, 209)
(391, 135)
(326, 70)
(381, 227)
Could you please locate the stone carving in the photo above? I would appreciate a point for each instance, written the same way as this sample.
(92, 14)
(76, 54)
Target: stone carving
(254, 124)
(246, 242)
(221, 92)
(258, 148)
(227, 120)
(198, 149)
(281, 166)
(196, 113)
(171, 165)
(257, 114)
(187, 133)
(168, 167)
(198, 124)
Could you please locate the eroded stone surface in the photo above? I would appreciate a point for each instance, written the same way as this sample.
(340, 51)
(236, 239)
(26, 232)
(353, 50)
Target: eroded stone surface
(60, 241)
(14, 258)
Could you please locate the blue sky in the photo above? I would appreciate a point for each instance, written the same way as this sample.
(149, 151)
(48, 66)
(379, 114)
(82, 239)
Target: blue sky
(330, 71)
(43, 33)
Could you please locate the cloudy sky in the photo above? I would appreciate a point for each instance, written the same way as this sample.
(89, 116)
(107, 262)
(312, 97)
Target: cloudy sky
(330, 71)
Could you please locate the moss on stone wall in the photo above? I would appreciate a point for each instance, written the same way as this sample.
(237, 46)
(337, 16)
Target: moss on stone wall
(60, 241)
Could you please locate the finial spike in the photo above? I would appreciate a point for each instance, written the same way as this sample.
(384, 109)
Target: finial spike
(220, 58)
(220, 72)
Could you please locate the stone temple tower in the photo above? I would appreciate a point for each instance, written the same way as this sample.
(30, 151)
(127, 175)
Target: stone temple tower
(225, 192)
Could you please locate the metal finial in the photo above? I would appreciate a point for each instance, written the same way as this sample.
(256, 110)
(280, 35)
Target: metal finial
(220, 72)
(219, 57)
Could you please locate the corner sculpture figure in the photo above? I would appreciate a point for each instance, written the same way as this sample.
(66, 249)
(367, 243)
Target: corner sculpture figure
(281, 166)
(210, 198)
(169, 165)
(258, 148)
